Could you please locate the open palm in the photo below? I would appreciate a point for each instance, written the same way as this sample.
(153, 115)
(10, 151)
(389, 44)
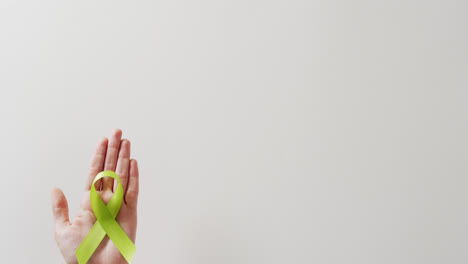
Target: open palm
(111, 154)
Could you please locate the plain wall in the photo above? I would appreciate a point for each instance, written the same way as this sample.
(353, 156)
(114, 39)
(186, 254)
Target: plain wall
(292, 131)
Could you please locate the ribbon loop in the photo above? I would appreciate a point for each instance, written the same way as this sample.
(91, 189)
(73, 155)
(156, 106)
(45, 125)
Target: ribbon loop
(106, 223)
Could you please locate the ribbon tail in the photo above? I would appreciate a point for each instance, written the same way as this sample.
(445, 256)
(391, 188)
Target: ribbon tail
(120, 239)
(90, 243)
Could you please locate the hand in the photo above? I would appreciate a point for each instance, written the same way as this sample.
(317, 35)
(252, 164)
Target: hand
(114, 155)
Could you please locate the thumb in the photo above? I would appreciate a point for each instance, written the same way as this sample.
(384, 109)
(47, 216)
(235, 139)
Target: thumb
(59, 208)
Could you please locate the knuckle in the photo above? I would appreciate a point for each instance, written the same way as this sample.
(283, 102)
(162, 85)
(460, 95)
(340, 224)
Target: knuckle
(110, 164)
(123, 177)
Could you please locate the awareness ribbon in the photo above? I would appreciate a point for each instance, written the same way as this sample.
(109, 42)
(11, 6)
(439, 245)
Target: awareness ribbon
(106, 224)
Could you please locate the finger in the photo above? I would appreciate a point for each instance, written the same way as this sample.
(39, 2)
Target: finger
(131, 196)
(60, 209)
(111, 158)
(123, 163)
(97, 163)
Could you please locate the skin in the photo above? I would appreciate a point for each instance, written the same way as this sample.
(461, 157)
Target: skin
(110, 154)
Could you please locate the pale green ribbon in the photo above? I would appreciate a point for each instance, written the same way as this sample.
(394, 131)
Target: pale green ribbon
(106, 224)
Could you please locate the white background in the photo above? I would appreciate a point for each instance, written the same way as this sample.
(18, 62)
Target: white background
(271, 132)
